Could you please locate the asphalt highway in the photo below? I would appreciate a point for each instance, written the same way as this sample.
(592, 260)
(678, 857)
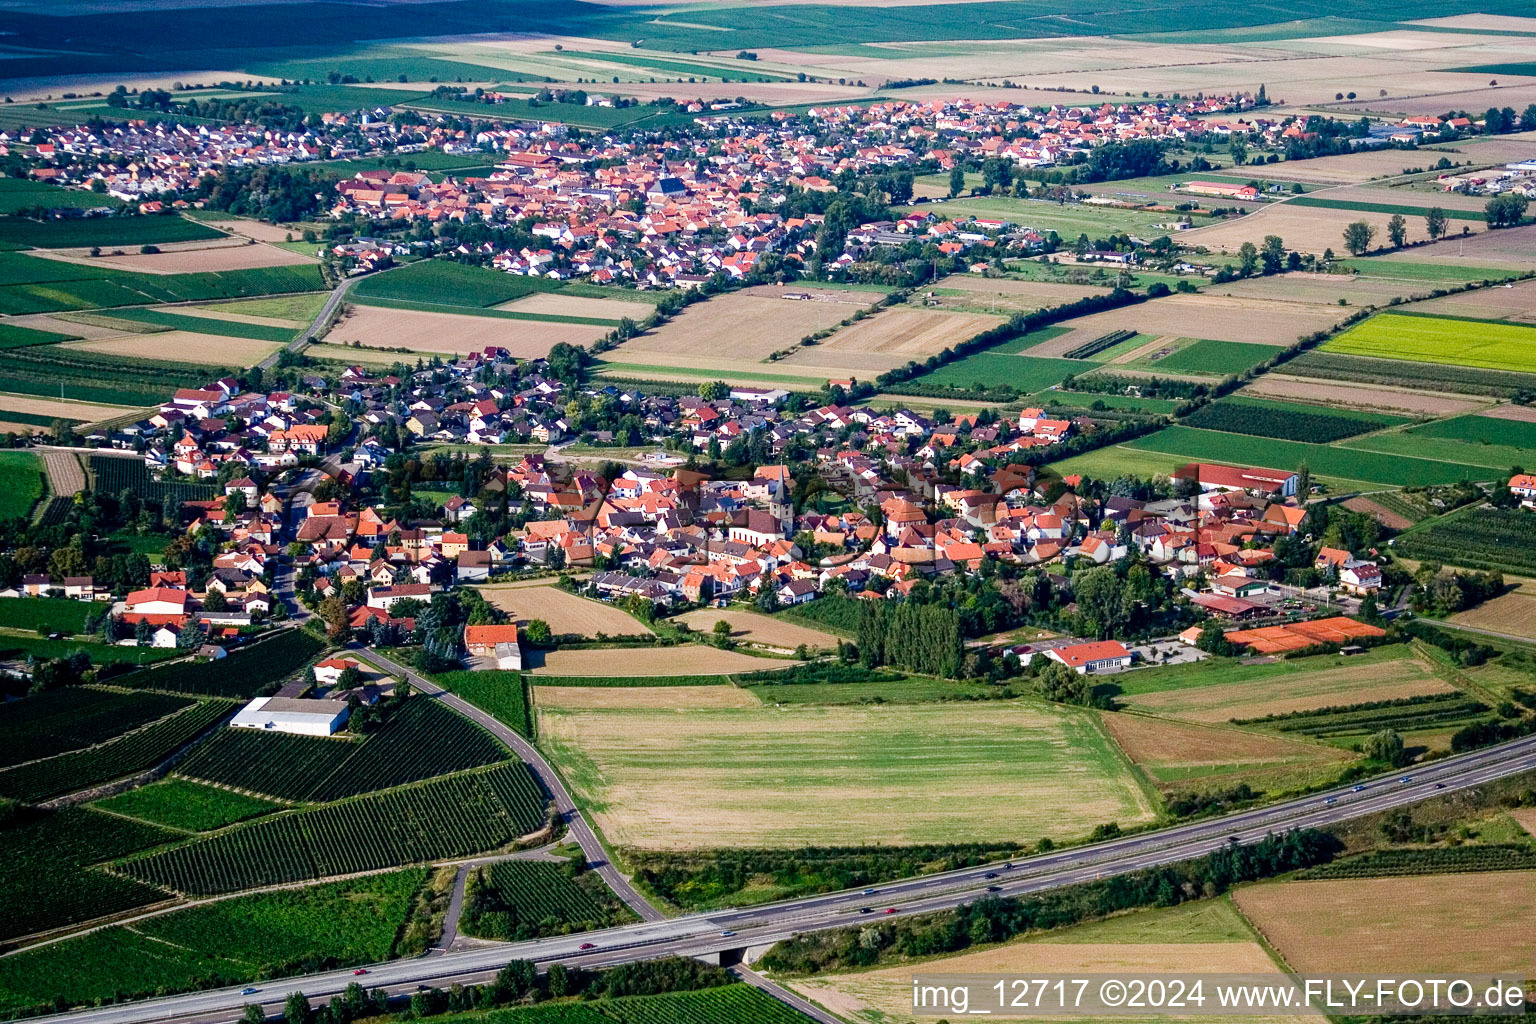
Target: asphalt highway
(702, 934)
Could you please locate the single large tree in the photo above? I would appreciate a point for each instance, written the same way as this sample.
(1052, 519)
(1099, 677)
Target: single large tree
(1435, 222)
(1397, 231)
(1358, 236)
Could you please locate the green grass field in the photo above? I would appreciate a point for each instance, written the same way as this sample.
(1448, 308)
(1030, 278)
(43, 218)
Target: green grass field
(1386, 268)
(441, 282)
(181, 803)
(21, 483)
(102, 231)
(1345, 464)
(1491, 346)
(205, 325)
(1216, 358)
(1087, 400)
(1406, 209)
(1116, 461)
(222, 943)
(24, 194)
(300, 308)
(893, 774)
(1067, 221)
(1022, 373)
(1465, 440)
(12, 336)
(61, 614)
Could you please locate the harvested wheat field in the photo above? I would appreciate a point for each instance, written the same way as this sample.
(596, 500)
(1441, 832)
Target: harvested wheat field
(1301, 691)
(1178, 754)
(257, 229)
(1197, 316)
(740, 326)
(564, 611)
(553, 304)
(825, 776)
(378, 327)
(1009, 294)
(1361, 396)
(893, 337)
(65, 474)
(1515, 301)
(182, 347)
(88, 412)
(1525, 817)
(1385, 516)
(654, 698)
(1321, 290)
(760, 629)
(243, 256)
(85, 327)
(1310, 229)
(1418, 925)
(1513, 612)
(1519, 413)
(654, 661)
(1208, 935)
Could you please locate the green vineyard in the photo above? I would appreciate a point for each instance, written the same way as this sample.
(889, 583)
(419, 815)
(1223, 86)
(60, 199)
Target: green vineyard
(729, 1004)
(244, 673)
(58, 721)
(449, 817)
(134, 752)
(1488, 538)
(529, 899)
(1434, 861)
(49, 881)
(114, 475)
(421, 739)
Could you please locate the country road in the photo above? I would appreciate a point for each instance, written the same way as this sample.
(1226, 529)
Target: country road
(315, 326)
(576, 824)
(705, 934)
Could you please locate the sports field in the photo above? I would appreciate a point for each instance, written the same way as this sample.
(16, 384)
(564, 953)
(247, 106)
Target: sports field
(836, 776)
(1421, 924)
(1491, 346)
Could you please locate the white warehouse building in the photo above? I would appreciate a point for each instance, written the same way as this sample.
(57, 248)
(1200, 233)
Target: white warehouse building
(289, 714)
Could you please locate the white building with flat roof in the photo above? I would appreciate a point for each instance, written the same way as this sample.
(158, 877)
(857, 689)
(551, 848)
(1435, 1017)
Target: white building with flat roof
(294, 715)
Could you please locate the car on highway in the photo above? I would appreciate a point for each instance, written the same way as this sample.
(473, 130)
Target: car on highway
(890, 910)
(1358, 789)
(869, 892)
(248, 991)
(1008, 866)
(360, 970)
(990, 874)
(1439, 785)
(587, 945)
(1405, 779)
(994, 888)
(727, 934)
(1331, 800)
(866, 910)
